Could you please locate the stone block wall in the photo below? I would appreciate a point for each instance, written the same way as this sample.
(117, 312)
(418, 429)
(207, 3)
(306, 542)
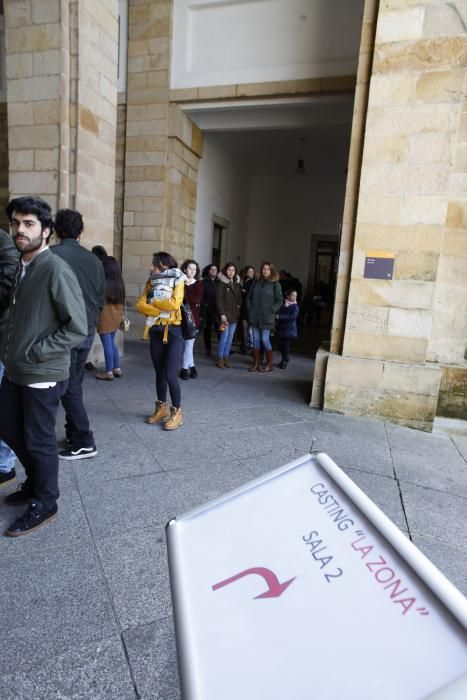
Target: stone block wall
(162, 149)
(411, 203)
(61, 63)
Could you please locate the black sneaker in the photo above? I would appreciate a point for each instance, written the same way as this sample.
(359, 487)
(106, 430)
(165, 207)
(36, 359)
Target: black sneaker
(7, 477)
(78, 453)
(32, 519)
(193, 372)
(184, 374)
(21, 496)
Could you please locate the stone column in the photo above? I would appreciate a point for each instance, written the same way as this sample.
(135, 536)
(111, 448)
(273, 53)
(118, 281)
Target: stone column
(61, 60)
(408, 206)
(162, 150)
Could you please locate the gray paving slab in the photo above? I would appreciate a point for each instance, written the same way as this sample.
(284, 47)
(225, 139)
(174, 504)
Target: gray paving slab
(415, 440)
(97, 670)
(443, 470)
(136, 570)
(451, 560)
(461, 443)
(252, 442)
(57, 600)
(384, 491)
(262, 464)
(435, 514)
(211, 481)
(144, 501)
(153, 660)
(70, 526)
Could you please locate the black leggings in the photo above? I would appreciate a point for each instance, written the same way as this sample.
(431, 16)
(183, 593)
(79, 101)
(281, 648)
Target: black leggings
(166, 359)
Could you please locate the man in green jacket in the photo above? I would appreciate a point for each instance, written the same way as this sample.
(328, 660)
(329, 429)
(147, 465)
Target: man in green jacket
(46, 318)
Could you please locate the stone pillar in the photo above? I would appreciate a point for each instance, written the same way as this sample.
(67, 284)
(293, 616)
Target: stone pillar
(162, 150)
(61, 60)
(409, 206)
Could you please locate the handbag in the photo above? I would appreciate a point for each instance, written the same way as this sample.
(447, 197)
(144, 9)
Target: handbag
(189, 330)
(125, 322)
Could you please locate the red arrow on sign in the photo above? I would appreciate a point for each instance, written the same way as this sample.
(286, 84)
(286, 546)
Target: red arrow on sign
(275, 588)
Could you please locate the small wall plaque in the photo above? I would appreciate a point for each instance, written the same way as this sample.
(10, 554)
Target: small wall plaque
(379, 265)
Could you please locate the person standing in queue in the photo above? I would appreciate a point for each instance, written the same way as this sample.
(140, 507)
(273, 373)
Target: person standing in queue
(46, 319)
(209, 305)
(263, 302)
(194, 291)
(160, 302)
(228, 302)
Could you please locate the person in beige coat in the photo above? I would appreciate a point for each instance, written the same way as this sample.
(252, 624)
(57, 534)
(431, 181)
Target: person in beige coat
(111, 318)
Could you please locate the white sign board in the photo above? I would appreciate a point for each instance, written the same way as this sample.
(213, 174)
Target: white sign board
(288, 588)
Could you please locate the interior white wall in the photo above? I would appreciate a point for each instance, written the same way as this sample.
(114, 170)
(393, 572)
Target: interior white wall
(284, 214)
(222, 191)
(225, 42)
(249, 178)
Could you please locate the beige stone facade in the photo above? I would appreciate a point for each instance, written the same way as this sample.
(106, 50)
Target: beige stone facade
(131, 165)
(404, 338)
(61, 66)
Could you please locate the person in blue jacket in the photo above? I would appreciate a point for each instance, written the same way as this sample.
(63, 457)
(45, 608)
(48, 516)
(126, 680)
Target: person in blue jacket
(287, 330)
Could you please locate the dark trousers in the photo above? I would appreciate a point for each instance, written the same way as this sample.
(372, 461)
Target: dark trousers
(77, 421)
(284, 347)
(209, 325)
(166, 360)
(27, 425)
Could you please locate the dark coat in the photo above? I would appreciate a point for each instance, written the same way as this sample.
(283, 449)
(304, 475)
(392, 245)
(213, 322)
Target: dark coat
(194, 296)
(228, 298)
(9, 258)
(90, 275)
(288, 316)
(246, 286)
(263, 301)
(209, 297)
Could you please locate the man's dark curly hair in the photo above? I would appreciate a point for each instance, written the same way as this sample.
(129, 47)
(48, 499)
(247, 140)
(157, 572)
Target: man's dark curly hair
(32, 205)
(68, 223)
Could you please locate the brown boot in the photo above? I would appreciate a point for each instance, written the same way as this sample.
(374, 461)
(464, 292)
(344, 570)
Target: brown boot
(255, 365)
(268, 365)
(175, 420)
(161, 413)
(220, 363)
(226, 362)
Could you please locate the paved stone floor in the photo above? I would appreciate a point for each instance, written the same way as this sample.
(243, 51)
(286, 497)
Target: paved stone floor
(85, 606)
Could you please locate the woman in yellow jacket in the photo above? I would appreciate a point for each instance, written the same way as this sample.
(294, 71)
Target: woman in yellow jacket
(160, 302)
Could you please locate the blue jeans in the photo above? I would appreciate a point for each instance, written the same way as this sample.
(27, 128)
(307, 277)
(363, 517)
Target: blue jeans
(225, 341)
(261, 337)
(111, 355)
(77, 427)
(7, 456)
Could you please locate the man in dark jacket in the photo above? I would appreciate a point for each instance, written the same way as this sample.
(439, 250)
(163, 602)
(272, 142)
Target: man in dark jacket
(90, 274)
(46, 318)
(9, 257)
(209, 304)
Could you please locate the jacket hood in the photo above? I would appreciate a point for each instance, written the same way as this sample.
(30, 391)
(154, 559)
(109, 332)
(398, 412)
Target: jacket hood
(271, 279)
(222, 278)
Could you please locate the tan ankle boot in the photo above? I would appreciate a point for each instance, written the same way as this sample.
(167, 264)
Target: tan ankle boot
(220, 362)
(255, 365)
(226, 362)
(268, 366)
(175, 420)
(161, 413)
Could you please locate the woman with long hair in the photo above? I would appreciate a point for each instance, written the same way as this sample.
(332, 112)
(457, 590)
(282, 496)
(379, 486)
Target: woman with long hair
(194, 291)
(160, 302)
(228, 293)
(111, 317)
(263, 302)
(209, 304)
